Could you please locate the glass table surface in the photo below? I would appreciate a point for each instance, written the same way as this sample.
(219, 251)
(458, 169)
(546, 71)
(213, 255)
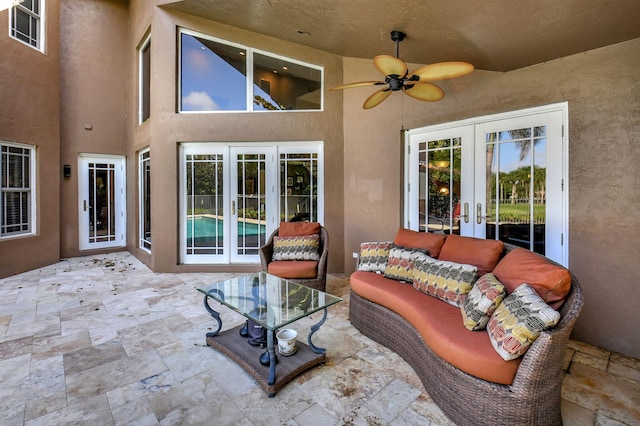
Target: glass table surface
(271, 301)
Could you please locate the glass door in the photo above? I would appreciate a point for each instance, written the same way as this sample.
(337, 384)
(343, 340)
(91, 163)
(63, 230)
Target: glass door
(440, 184)
(252, 170)
(101, 202)
(519, 183)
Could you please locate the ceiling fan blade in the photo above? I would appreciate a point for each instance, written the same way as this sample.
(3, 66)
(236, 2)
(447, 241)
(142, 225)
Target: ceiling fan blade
(424, 92)
(443, 70)
(389, 65)
(375, 99)
(356, 84)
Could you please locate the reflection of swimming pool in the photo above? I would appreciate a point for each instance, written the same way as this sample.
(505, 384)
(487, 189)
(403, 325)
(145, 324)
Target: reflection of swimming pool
(209, 227)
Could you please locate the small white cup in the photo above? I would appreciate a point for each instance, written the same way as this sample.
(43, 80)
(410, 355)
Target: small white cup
(287, 341)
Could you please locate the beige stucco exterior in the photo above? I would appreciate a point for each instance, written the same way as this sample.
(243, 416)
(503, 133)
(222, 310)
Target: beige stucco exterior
(93, 80)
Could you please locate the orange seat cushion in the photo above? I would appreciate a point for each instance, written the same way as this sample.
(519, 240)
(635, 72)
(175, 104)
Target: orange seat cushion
(298, 229)
(302, 269)
(474, 251)
(552, 282)
(440, 325)
(423, 240)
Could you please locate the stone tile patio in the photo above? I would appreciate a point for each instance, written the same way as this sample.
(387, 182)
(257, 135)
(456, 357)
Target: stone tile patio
(102, 340)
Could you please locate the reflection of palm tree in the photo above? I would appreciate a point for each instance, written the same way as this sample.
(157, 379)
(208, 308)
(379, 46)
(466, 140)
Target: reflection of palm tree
(523, 142)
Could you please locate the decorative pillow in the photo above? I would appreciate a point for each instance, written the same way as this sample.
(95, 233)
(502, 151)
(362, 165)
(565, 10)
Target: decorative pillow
(373, 256)
(422, 240)
(518, 322)
(483, 299)
(296, 248)
(400, 263)
(296, 229)
(552, 282)
(475, 251)
(447, 281)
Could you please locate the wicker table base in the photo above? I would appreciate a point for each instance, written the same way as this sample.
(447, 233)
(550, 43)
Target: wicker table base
(230, 343)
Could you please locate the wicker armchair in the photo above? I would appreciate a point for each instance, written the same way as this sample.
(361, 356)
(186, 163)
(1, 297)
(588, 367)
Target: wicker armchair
(320, 281)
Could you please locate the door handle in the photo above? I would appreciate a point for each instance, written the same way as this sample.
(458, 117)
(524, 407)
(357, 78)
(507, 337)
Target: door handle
(465, 216)
(479, 216)
(84, 205)
(233, 207)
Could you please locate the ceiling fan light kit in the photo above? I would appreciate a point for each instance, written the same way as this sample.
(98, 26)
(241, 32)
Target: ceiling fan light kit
(415, 84)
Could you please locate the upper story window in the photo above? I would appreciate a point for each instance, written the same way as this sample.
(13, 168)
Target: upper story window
(26, 23)
(144, 98)
(17, 166)
(216, 75)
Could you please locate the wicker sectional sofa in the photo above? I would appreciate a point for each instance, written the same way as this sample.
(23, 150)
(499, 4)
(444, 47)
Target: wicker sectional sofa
(459, 368)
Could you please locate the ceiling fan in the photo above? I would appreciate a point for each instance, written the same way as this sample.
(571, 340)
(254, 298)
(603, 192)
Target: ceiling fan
(415, 84)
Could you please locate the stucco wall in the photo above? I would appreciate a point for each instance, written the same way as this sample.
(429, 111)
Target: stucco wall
(94, 70)
(29, 114)
(601, 88)
(166, 129)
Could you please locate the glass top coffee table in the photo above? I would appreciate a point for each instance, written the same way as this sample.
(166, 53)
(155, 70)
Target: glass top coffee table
(272, 302)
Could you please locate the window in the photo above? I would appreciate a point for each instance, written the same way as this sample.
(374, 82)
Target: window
(144, 169)
(16, 189)
(299, 187)
(26, 22)
(145, 80)
(216, 75)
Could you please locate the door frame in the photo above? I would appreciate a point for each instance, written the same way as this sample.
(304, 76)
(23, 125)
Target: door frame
(562, 176)
(119, 198)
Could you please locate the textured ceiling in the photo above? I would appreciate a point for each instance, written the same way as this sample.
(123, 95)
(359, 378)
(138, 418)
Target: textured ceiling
(496, 35)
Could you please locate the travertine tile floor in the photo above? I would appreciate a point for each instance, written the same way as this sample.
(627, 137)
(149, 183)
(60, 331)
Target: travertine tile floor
(102, 340)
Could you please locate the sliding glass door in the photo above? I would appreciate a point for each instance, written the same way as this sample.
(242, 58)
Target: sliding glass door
(234, 196)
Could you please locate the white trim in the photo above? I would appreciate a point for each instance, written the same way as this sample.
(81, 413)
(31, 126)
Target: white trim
(41, 26)
(33, 187)
(141, 203)
(143, 45)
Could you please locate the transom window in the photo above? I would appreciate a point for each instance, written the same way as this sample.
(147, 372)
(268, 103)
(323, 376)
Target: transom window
(16, 189)
(26, 21)
(216, 75)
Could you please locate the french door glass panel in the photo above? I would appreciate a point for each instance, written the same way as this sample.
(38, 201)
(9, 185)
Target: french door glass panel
(438, 160)
(102, 204)
(519, 183)
(249, 201)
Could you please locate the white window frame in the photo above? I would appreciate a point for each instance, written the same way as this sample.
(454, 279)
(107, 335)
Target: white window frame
(142, 70)
(143, 242)
(31, 190)
(249, 75)
(40, 18)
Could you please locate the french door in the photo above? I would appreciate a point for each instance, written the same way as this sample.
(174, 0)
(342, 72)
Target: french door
(234, 196)
(497, 177)
(102, 204)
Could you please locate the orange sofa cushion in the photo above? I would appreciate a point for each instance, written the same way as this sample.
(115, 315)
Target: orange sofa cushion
(474, 251)
(440, 325)
(298, 229)
(551, 282)
(423, 240)
(291, 269)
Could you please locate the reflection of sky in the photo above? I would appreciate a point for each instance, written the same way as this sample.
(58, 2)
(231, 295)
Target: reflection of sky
(509, 156)
(209, 83)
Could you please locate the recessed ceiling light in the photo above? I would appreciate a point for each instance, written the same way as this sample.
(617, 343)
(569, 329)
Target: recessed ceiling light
(242, 53)
(285, 68)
